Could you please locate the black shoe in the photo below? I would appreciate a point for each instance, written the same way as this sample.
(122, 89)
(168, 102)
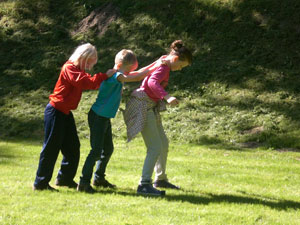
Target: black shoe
(45, 188)
(103, 183)
(148, 189)
(87, 188)
(69, 184)
(165, 184)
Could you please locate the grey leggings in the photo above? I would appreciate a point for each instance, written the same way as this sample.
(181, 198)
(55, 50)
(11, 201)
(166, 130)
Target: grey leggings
(157, 145)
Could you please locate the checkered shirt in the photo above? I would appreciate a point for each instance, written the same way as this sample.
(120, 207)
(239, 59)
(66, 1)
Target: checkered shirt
(135, 113)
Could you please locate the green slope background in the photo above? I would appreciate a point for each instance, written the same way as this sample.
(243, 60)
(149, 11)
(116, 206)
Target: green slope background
(242, 89)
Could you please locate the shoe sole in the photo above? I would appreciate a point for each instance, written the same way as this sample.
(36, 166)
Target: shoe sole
(104, 186)
(68, 186)
(167, 187)
(87, 192)
(44, 189)
(101, 186)
(162, 193)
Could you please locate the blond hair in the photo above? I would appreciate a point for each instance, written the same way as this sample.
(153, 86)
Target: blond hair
(125, 57)
(82, 53)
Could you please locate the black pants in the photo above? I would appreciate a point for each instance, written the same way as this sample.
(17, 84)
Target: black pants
(60, 134)
(102, 148)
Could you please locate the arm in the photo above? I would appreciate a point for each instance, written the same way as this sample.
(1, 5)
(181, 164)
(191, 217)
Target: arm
(160, 90)
(100, 77)
(132, 78)
(82, 80)
(151, 67)
(156, 81)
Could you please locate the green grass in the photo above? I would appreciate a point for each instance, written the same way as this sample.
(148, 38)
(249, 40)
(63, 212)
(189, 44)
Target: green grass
(218, 187)
(244, 76)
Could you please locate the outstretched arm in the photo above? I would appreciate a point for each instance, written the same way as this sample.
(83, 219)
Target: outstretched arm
(132, 78)
(151, 67)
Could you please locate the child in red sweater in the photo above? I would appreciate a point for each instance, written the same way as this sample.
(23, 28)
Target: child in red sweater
(60, 128)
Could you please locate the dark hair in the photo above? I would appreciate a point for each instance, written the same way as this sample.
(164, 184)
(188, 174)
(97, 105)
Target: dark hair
(177, 48)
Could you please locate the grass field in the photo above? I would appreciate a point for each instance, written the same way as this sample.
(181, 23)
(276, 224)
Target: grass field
(218, 187)
(242, 90)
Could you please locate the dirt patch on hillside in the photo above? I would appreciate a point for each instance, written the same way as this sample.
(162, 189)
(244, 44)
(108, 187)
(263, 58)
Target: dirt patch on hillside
(98, 20)
(287, 150)
(255, 130)
(251, 144)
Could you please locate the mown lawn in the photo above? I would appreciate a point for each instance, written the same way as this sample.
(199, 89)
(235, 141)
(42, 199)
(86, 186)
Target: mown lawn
(243, 186)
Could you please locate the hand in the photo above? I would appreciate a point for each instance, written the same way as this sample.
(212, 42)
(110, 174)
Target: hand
(110, 72)
(171, 100)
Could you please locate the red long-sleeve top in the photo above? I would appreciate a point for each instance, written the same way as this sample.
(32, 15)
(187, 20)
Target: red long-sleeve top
(69, 86)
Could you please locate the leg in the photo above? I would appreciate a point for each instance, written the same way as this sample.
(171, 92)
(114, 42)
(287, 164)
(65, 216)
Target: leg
(160, 166)
(106, 153)
(161, 179)
(153, 143)
(54, 129)
(98, 126)
(71, 152)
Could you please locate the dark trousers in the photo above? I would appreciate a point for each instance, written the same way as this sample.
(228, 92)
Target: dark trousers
(60, 134)
(102, 147)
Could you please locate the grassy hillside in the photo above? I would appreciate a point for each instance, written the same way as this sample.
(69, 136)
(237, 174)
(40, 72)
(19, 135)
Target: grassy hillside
(243, 86)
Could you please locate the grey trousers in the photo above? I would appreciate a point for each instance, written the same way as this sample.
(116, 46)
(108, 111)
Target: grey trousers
(157, 145)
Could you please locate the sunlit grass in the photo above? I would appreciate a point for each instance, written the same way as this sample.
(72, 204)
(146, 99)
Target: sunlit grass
(218, 187)
(242, 88)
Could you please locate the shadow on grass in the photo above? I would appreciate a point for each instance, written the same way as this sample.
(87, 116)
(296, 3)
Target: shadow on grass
(6, 157)
(215, 143)
(10, 148)
(207, 198)
(264, 140)
(6, 154)
(218, 144)
(284, 107)
(21, 128)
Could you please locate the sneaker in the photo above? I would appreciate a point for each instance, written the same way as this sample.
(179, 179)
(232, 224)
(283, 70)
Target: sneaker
(103, 183)
(69, 184)
(85, 188)
(46, 188)
(165, 184)
(148, 189)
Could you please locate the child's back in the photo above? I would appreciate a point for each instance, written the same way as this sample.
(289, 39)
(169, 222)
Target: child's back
(109, 97)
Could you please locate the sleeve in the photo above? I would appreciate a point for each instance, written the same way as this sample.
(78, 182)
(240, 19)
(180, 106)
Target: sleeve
(149, 67)
(115, 77)
(82, 80)
(155, 80)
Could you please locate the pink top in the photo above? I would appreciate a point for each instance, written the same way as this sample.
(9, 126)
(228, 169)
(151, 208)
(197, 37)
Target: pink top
(155, 83)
